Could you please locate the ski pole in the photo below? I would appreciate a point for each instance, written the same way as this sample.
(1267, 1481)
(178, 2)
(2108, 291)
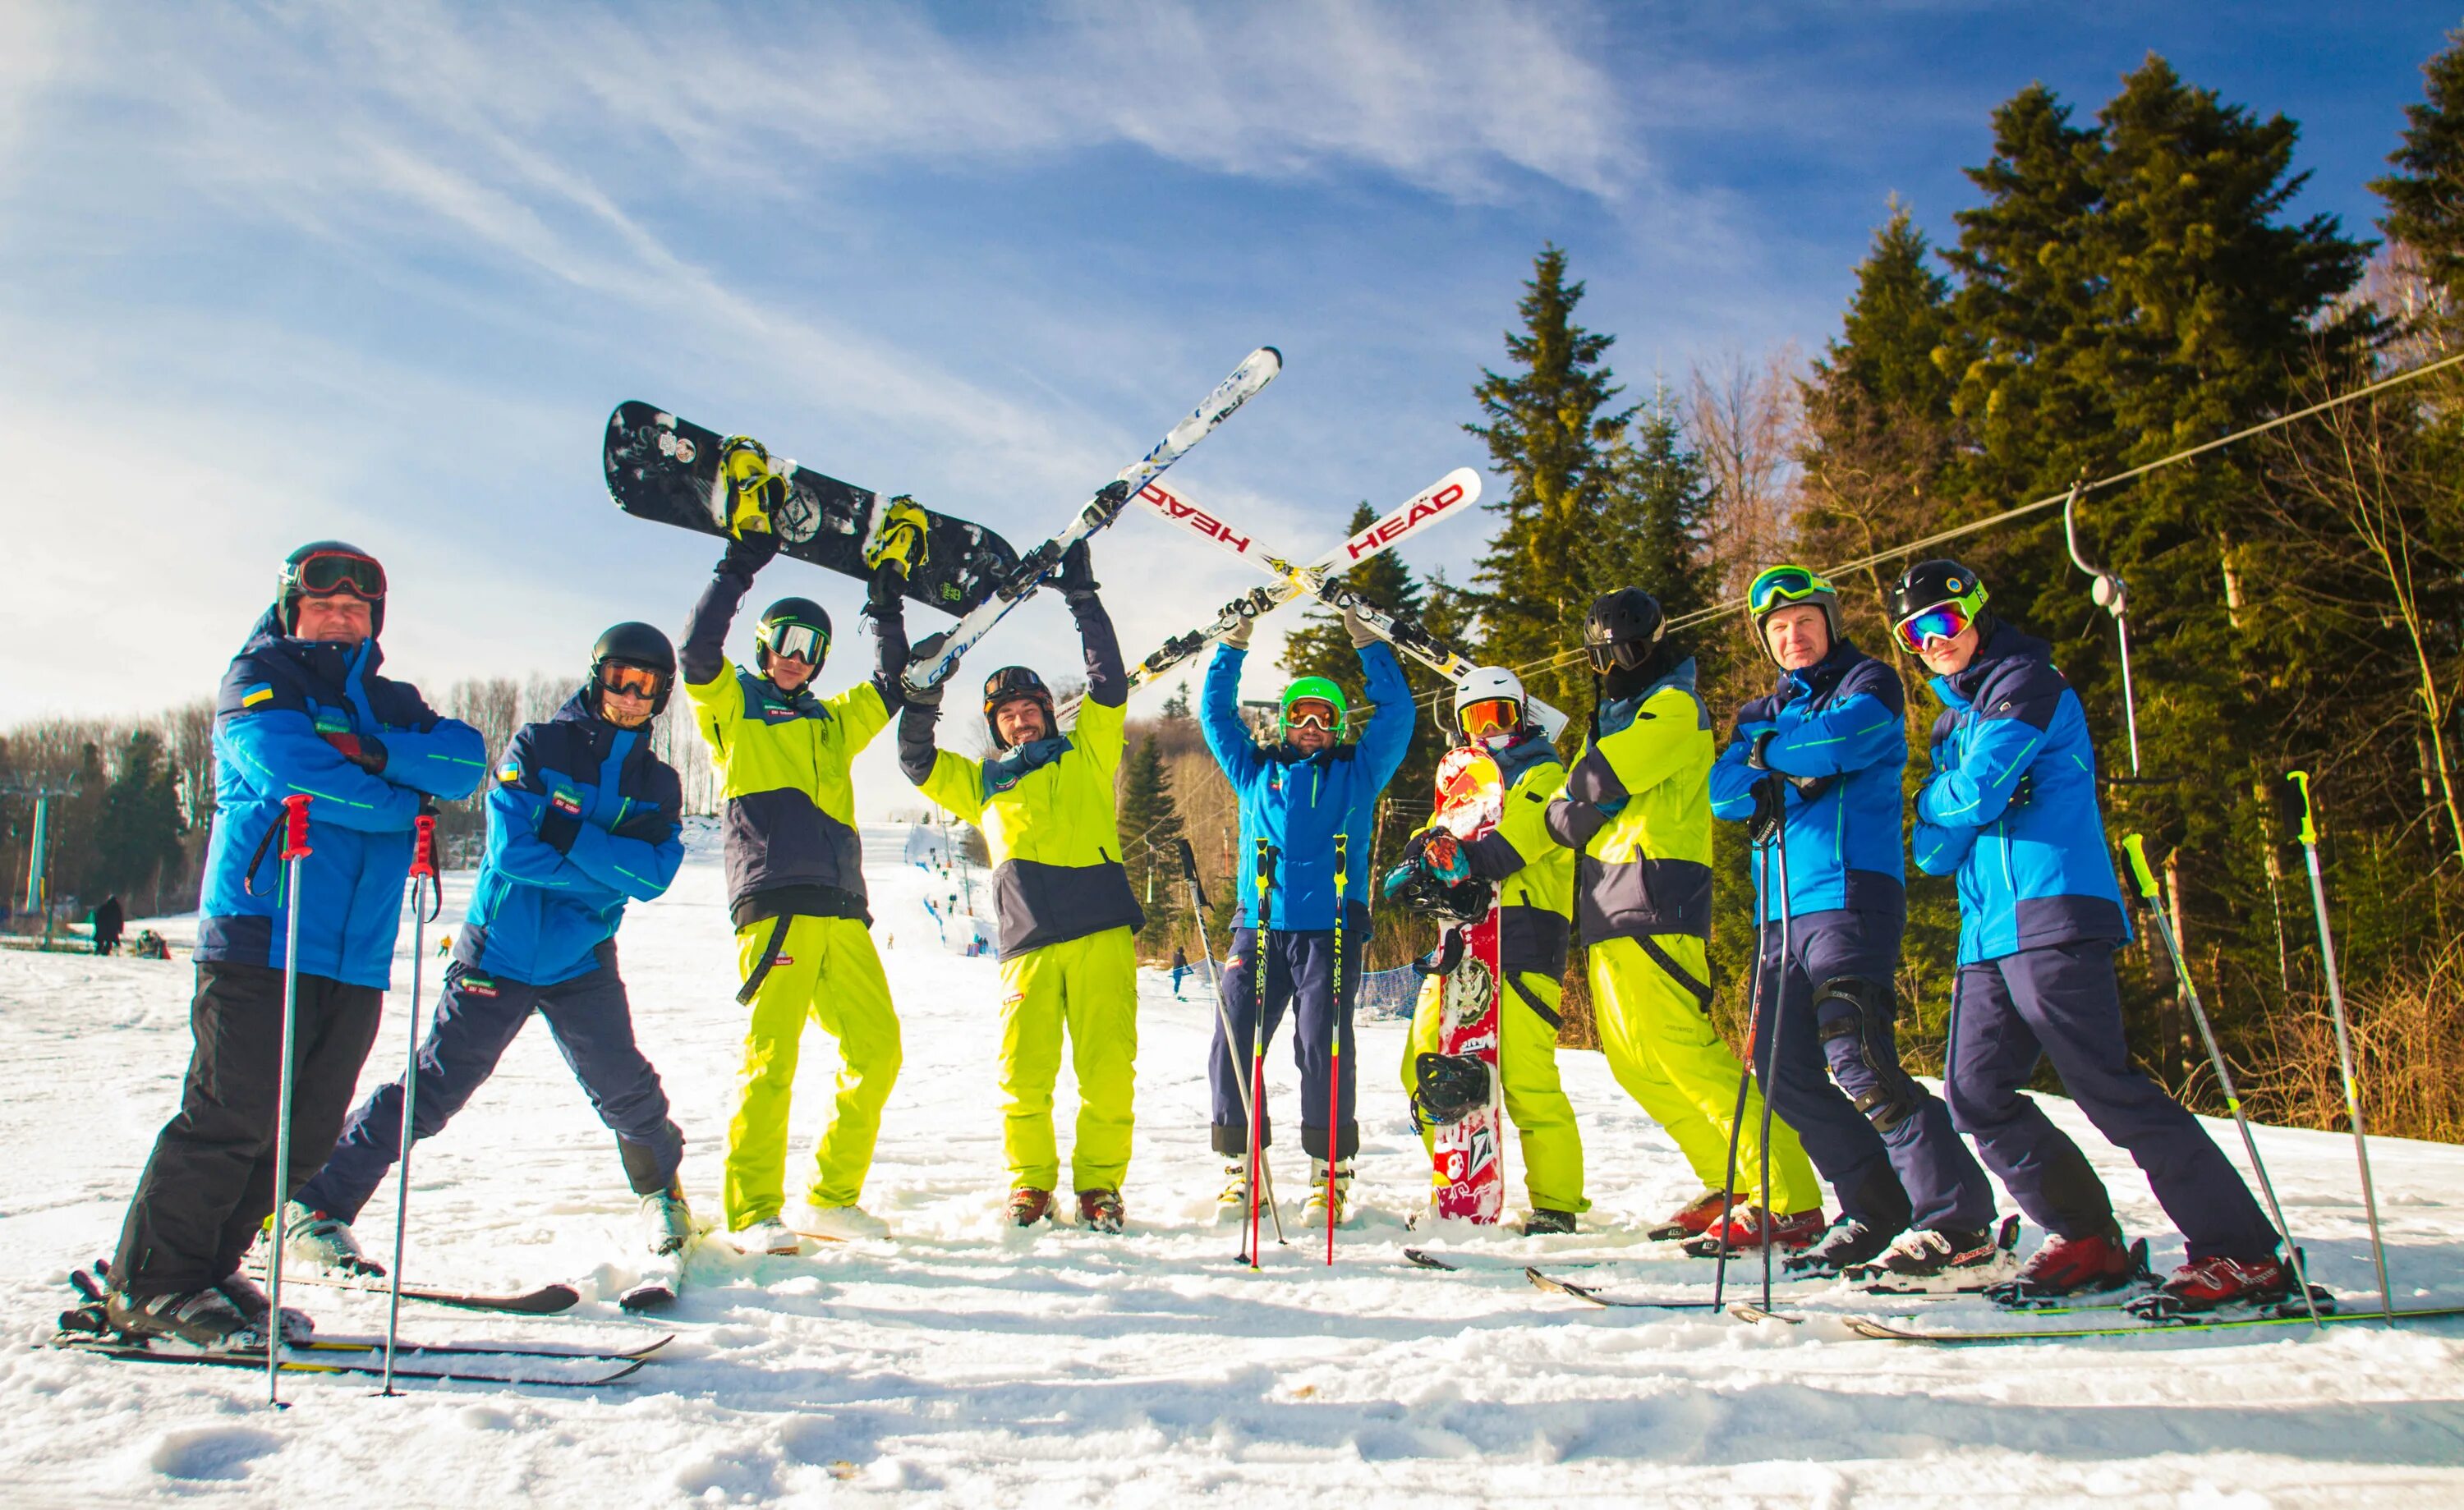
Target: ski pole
(1745, 1078)
(295, 855)
(423, 869)
(1335, 1060)
(1778, 1021)
(2138, 852)
(1258, 1038)
(1222, 1019)
(2343, 1040)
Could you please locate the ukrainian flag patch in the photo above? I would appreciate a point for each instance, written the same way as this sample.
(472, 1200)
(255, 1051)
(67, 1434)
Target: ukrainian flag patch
(509, 773)
(262, 692)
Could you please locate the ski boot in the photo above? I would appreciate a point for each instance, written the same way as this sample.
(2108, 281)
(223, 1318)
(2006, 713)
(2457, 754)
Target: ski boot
(848, 1223)
(1233, 1204)
(1848, 1243)
(2208, 1284)
(1102, 1211)
(1547, 1222)
(252, 1302)
(899, 537)
(768, 1236)
(203, 1320)
(1744, 1233)
(1028, 1205)
(1314, 1213)
(666, 1222)
(1695, 1218)
(2066, 1266)
(1935, 1261)
(324, 1244)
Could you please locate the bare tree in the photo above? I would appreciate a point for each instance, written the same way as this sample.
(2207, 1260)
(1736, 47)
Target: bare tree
(1745, 416)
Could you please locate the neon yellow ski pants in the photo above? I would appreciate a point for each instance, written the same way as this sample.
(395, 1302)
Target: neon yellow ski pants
(826, 970)
(1535, 1100)
(1089, 987)
(1662, 1049)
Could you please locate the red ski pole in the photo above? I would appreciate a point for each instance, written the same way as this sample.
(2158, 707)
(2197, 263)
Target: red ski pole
(294, 851)
(1335, 1060)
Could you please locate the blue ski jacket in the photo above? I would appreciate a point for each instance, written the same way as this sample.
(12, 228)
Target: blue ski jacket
(288, 712)
(1844, 717)
(1298, 802)
(583, 819)
(2012, 805)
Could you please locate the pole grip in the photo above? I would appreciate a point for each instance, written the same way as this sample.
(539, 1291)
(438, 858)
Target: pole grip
(1189, 873)
(294, 826)
(423, 846)
(1342, 866)
(2309, 827)
(2137, 849)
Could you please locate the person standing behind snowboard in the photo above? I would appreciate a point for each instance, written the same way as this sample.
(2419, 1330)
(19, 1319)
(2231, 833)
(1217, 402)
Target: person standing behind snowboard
(1822, 755)
(582, 820)
(2011, 809)
(795, 866)
(1068, 919)
(1298, 796)
(301, 711)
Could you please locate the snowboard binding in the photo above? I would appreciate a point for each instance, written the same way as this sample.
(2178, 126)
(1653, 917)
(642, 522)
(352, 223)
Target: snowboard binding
(1450, 1087)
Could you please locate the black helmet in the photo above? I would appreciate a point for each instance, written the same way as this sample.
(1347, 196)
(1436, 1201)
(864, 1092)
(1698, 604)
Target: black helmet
(1007, 685)
(1937, 584)
(641, 646)
(322, 568)
(1621, 629)
(777, 632)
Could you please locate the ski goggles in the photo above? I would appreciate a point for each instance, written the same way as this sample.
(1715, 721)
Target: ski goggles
(1311, 712)
(1490, 715)
(1782, 586)
(1943, 620)
(330, 572)
(798, 642)
(633, 681)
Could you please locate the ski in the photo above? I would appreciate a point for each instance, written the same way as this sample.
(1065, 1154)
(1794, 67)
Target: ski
(405, 1348)
(1887, 1331)
(463, 1366)
(547, 1300)
(932, 666)
(1583, 1292)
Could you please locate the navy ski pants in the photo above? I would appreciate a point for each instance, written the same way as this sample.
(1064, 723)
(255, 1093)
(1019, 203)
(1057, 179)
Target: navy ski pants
(476, 1022)
(1300, 972)
(2062, 1003)
(1918, 1174)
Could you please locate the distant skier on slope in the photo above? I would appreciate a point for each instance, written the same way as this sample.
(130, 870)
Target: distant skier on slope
(2012, 808)
(1068, 920)
(301, 710)
(1536, 924)
(794, 866)
(1298, 795)
(1637, 812)
(581, 819)
(1822, 754)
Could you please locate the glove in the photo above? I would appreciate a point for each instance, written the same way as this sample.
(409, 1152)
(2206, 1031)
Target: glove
(1808, 787)
(883, 596)
(1770, 810)
(559, 823)
(1239, 639)
(749, 553)
(1077, 577)
(1443, 857)
(2025, 792)
(365, 751)
(1754, 751)
(925, 649)
(1358, 628)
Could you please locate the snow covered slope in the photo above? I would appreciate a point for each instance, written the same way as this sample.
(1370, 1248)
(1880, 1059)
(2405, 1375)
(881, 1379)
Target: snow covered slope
(968, 1363)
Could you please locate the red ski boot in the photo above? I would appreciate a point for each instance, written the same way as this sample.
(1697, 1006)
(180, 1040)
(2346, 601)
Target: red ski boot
(2210, 1284)
(1028, 1205)
(1744, 1233)
(2100, 1260)
(1695, 1218)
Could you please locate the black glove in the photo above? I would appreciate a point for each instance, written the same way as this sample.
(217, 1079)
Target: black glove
(1754, 751)
(884, 594)
(2025, 792)
(750, 552)
(1077, 576)
(1770, 810)
(557, 828)
(925, 649)
(1809, 787)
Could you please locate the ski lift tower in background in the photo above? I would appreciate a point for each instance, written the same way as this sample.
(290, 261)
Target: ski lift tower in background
(39, 880)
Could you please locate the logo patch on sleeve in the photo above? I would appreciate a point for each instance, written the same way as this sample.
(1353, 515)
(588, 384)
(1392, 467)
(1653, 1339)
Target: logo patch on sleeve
(567, 800)
(509, 773)
(262, 692)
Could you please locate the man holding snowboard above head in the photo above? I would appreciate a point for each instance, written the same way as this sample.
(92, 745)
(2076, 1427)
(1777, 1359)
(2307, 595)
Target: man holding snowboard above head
(1068, 919)
(795, 872)
(302, 711)
(1822, 756)
(2011, 809)
(1307, 793)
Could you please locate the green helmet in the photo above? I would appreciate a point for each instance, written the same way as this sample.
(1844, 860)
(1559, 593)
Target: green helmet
(1325, 690)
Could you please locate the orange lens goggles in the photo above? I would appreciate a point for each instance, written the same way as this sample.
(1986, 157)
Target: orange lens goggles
(638, 681)
(1491, 715)
(1311, 712)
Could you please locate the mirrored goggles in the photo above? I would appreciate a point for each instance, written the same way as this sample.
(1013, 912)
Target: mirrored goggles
(637, 681)
(1490, 715)
(1311, 712)
(1625, 653)
(330, 572)
(1943, 620)
(798, 642)
(1783, 584)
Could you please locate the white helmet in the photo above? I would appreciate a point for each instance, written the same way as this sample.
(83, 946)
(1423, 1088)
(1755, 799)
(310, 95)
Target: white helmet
(1488, 684)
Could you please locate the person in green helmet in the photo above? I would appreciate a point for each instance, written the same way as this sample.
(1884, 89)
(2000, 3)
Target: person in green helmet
(1305, 799)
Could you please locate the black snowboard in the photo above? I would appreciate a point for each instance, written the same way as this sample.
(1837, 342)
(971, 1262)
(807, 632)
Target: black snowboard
(665, 468)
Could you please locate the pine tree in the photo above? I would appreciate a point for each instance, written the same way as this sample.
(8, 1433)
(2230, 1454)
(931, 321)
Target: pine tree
(2425, 196)
(1649, 532)
(137, 829)
(1149, 831)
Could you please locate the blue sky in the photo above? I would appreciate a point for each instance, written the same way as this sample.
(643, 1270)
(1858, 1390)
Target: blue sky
(269, 272)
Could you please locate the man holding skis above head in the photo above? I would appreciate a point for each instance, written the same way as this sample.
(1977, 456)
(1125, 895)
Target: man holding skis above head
(1303, 797)
(1637, 811)
(302, 711)
(1068, 920)
(1536, 923)
(1816, 765)
(2012, 808)
(583, 819)
(795, 876)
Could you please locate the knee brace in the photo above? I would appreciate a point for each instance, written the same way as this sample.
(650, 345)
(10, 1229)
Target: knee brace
(1872, 1006)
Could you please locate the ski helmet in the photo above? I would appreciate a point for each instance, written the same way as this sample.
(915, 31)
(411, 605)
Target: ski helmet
(1492, 697)
(1313, 688)
(1782, 586)
(637, 648)
(1009, 685)
(795, 626)
(1935, 600)
(322, 568)
(1621, 629)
